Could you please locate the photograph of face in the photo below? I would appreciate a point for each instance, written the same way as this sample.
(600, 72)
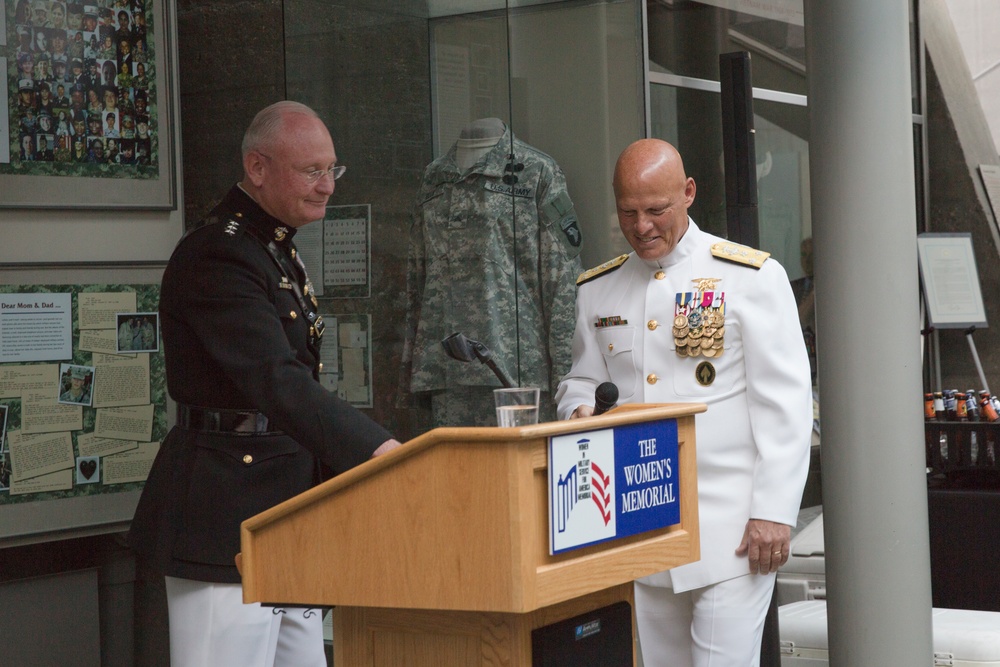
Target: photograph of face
(27, 148)
(95, 154)
(39, 13)
(41, 43)
(127, 153)
(111, 125)
(76, 384)
(57, 16)
(45, 145)
(94, 125)
(58, 39)
(74, 16)
(110, 98)
(109, 73)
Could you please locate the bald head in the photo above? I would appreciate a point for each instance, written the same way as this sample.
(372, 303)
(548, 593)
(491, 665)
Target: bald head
(285, 144)
(652, 195)
(646, 159)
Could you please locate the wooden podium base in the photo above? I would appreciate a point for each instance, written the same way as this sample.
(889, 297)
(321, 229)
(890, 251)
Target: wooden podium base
(380, 637)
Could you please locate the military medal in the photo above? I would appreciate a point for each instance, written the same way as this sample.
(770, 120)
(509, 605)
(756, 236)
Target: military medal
(680, 328)
(699, 320)
(705, 373)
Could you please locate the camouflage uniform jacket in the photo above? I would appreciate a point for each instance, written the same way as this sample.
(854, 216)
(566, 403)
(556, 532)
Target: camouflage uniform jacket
(494, 254)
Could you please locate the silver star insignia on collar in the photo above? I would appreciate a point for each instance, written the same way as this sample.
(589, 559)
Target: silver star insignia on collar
(231, 227)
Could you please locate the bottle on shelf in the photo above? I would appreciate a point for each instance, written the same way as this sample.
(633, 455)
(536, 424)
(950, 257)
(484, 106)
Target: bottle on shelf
(939, 406)
(987, 411)
(972, 405)
(961, 407)
(950, 405)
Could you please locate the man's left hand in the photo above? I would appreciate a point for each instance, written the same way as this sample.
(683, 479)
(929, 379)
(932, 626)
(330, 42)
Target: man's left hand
(766, 544)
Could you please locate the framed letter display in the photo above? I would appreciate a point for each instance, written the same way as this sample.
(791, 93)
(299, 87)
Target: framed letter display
(950, 281)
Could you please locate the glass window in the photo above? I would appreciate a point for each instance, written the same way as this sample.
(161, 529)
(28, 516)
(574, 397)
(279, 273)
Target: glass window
(686, 39)
(481, 137)
(692, 121)
(403, 86)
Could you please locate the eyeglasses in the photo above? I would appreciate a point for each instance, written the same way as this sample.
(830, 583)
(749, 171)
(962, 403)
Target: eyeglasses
(313, 175)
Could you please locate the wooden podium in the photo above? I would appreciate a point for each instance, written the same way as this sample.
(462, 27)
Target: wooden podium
(437, 553)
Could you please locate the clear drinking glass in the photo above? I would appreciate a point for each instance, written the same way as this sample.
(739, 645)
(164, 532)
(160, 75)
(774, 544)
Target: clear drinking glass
(516, 406)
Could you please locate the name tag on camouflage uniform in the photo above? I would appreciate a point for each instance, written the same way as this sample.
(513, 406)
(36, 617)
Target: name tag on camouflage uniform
(504, 189)
(700, 321)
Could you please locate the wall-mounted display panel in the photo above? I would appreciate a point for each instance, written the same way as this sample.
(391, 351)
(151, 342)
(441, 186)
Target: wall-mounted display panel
(87, 120)
(82, 425)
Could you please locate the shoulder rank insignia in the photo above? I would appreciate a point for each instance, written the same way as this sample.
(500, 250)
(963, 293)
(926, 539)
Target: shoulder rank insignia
(601, 269)
(740, 254)
(231, 227)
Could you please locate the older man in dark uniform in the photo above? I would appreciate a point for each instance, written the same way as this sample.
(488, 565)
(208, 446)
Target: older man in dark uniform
(254, 426)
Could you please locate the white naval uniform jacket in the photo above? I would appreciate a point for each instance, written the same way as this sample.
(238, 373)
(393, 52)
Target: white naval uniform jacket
(753, 442)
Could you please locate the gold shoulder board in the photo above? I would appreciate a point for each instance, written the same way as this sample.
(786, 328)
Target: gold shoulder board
(601, 269)
(740, 254)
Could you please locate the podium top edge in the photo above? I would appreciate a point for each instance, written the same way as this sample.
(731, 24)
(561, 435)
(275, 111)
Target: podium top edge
(632, 413)
(623, 414)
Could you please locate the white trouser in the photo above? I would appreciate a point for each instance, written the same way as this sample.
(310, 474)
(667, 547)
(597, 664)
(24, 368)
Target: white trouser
(716, 626)
(211, 627)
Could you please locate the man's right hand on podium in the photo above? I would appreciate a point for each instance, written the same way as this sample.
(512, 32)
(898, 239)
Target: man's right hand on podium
(386, 447)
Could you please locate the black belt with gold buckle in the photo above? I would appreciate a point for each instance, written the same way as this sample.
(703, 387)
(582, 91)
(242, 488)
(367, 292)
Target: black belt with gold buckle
(216, 420)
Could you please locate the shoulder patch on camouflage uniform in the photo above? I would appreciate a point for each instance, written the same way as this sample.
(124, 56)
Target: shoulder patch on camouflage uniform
(600, 270)
(561, 213)
(740, 254)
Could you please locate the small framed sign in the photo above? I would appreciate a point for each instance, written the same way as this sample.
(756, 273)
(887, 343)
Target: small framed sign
(612, 483)
(950, 281)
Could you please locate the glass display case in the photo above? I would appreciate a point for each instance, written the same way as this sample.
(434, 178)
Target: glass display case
(479, 140)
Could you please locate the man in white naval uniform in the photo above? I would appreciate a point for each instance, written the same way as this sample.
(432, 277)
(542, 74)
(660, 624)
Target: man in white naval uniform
(690, 317)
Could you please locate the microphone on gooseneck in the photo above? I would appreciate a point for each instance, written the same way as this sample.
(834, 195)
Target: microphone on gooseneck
(605, 398)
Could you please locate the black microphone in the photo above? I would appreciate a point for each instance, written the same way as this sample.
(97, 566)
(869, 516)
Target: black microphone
(605, 398)
(458, 347)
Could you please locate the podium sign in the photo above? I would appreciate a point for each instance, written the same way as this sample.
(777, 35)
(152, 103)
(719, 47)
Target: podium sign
(612, 483)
